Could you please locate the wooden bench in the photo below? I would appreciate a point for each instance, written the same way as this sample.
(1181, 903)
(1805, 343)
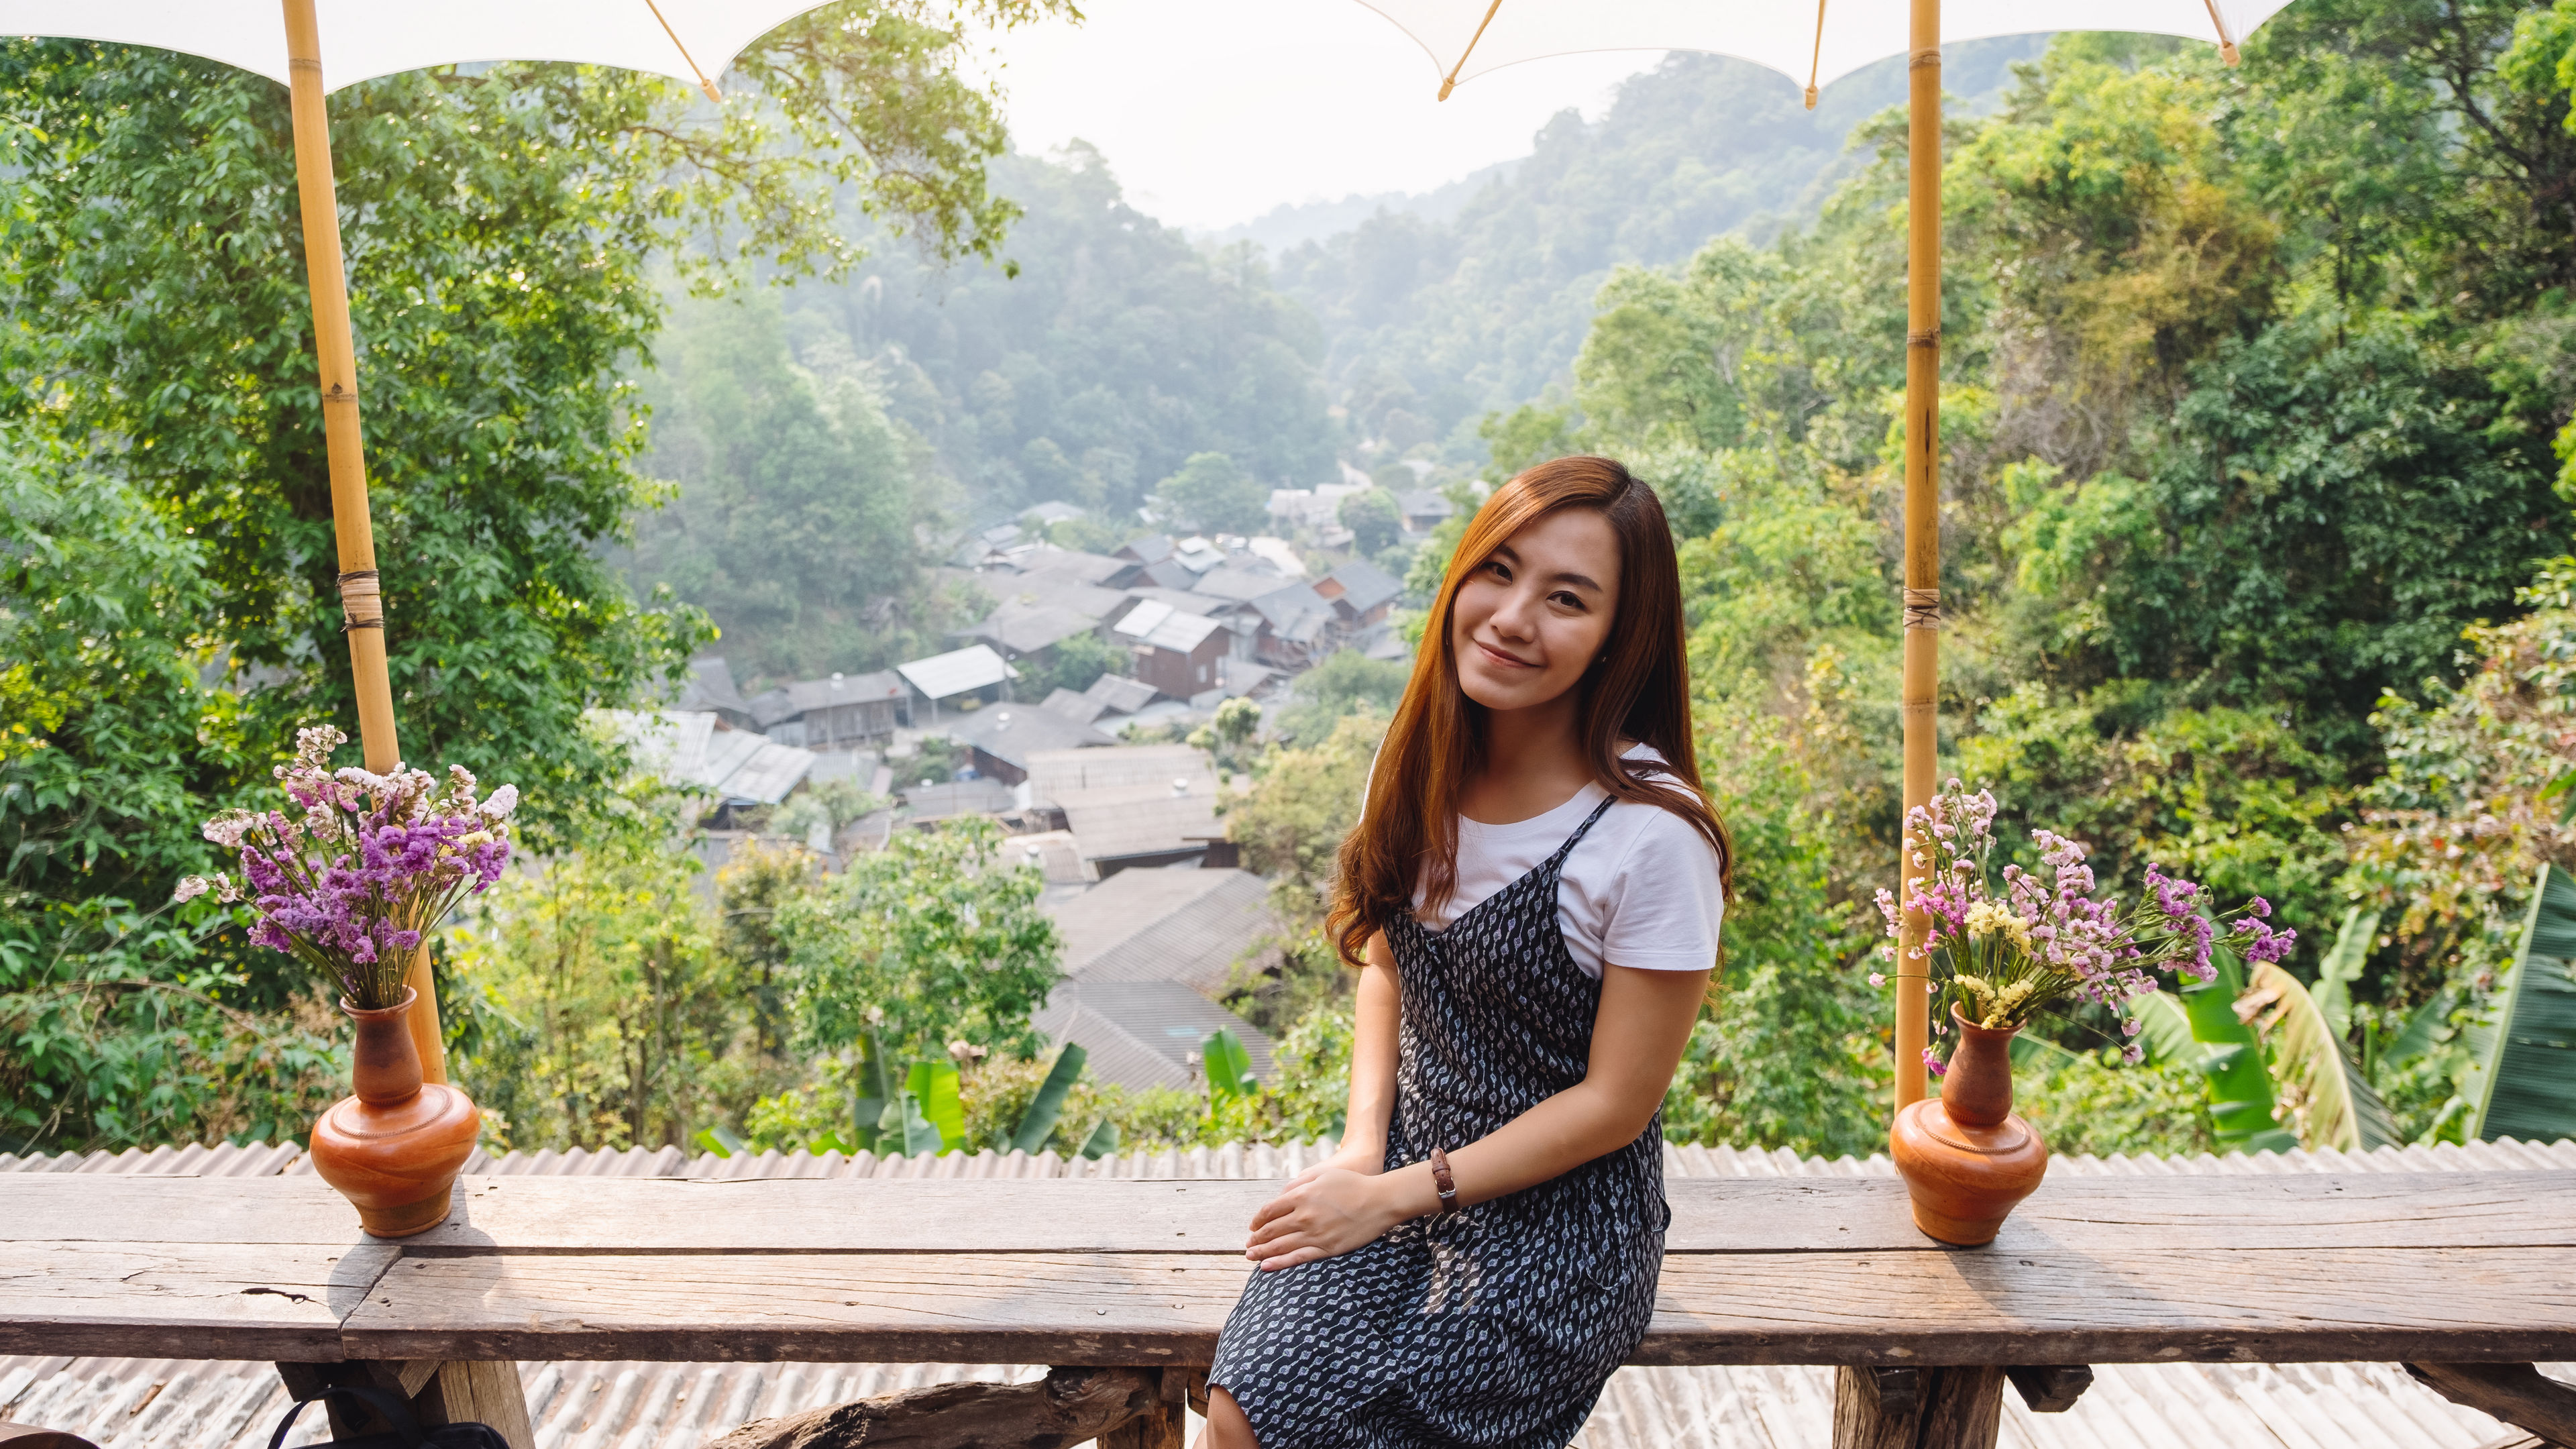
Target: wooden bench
(1124, 1285)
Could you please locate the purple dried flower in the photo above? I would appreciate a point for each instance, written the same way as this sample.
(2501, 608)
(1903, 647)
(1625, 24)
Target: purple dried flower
(375, 863)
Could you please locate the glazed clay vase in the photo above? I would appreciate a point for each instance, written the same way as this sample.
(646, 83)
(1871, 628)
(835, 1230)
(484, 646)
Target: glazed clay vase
(394, 1148)
(1965, 1157)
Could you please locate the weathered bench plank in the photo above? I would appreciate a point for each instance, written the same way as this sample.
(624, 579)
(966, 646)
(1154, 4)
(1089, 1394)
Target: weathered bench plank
(1710, 1215)
(212, 1300)
(1782, 1308)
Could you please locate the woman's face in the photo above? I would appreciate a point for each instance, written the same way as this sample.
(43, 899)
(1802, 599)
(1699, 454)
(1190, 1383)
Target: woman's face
(1537, 611)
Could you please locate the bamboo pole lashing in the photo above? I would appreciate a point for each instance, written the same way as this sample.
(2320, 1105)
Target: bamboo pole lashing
(335, 357)
(1922, 596)
(1449, 82)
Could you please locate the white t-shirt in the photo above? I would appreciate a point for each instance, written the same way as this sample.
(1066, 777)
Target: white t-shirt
(1641, 891)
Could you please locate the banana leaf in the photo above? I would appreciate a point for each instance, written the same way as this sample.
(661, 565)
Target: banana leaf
(2038, 1053)
(2164, 1031)
(919, 1135)
(2307, 1053)
(933, 1085)
(1229, 1069)
(1037, 1124)
(2524, 1085)
(2341, 968)
(2242, 1113)
(2421, 1032)
(1102, 1141)
(875, 1091)
(720, 1140)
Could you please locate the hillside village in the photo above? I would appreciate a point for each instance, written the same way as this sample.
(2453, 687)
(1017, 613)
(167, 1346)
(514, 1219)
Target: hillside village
(1096, 787)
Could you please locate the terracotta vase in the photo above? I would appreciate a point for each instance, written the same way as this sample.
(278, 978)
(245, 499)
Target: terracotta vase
(1965, 1157)
(394, 1148)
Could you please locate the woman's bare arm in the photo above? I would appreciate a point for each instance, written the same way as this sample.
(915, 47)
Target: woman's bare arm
(1638, 1034)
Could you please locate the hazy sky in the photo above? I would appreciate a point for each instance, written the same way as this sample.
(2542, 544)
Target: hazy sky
(1212, 112)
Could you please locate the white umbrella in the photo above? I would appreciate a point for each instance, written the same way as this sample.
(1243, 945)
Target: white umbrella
(356, 40)
(1468, 38)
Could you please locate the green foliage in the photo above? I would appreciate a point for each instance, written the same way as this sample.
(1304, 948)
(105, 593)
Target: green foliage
(1345, 683)
(796, 505)
(1229, 1070)
(934, 939)
(1037, 1124)
(2085, 1102)
(1075, 662)
(600, 1008)
(2525, 1083)
(1373, 519)
(1100, 356)
(930, 1099)
(1210, 494)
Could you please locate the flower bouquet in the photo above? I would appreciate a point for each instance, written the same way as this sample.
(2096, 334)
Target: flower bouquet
(349, 880)
(2003, 945)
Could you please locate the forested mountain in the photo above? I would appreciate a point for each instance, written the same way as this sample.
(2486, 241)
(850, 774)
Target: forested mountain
(1430, 322)
(1090, 364)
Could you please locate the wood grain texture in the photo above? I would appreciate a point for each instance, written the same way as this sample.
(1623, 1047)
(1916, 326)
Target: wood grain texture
(196, 1301)
(478, 1393)
(1949, 1408)
(1898, 1308)
(1710, 1215)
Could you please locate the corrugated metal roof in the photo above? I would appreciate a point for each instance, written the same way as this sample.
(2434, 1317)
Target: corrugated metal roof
(1189, 926)
(182, 1404)
(1143, 768)
(686, 748)
(1121, 694)
(1241, 582)
(1144, 1033)
(959, 670)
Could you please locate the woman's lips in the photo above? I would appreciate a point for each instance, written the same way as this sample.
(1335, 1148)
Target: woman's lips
(1500, 657)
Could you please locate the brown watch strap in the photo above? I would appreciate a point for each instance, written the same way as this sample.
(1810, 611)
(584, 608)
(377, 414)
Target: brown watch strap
(1446, 1185)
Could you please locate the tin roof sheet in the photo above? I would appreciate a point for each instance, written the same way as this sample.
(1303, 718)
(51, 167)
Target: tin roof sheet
(959, 670)
(191, 1404)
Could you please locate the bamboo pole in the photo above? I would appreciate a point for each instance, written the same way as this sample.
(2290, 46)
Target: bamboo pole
(1922, 506)
(361, 602)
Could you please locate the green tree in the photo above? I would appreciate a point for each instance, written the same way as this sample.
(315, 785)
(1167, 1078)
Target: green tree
(1075, 662)
(1210, 494)
(794, 520)
(935, 938)
(1372, 519)
(1345, 683)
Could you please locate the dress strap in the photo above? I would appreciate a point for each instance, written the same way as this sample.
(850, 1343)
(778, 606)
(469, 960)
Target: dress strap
(1557, 861)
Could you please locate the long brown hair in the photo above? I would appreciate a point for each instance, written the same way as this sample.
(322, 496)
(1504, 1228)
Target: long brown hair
(1639, 691)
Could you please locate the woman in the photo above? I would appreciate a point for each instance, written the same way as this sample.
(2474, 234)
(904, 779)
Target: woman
(1532, 897)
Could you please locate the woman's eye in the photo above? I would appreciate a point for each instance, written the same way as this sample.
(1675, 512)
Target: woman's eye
(1564, 599)
(1498, 569)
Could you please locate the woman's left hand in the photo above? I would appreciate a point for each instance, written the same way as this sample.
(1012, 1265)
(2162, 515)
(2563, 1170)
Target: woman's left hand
(1324, 1213)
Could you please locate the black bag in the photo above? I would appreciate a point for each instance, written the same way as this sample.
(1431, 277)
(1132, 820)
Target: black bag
(407, 1433)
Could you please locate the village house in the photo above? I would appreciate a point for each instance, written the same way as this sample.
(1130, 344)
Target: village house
(1423, 509)
(1002, 736)
(711, 690)
(1176, 653)
(839, 713)
(960, 678)
(1361, 593)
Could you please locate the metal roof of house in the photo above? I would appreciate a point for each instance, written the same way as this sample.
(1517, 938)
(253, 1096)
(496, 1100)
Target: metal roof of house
(956, 672)
(1152, 548)
(1143, 770)
(1145, 1033)
(1364, 586)
(191, 1404)
(1158, 624)
(688, 749)
(1009, 732)
(1068, 563)
(1423, 503)
(1189, 926)
(711, 687)
(948, 799)
(1296, 613)
(1074, 705)
(1241, 582)
(1024, 628)
(1169, 573)
(794, 701)
(1181, 599)
(1122, 694)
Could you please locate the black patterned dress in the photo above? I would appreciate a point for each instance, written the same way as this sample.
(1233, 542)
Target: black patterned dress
(1492, 1327)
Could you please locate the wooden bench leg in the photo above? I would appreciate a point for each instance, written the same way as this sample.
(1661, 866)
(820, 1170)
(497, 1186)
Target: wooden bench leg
(1918, 1408)
(2051, 1388)
(440, 1393)
(1166, 1425)
(2517, 1393)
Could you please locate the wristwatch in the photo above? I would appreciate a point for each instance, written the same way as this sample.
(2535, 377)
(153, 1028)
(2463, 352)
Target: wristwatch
(1446, 1185)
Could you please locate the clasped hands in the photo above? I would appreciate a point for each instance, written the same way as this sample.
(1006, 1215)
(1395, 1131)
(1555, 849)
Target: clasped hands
(1339, 1204)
